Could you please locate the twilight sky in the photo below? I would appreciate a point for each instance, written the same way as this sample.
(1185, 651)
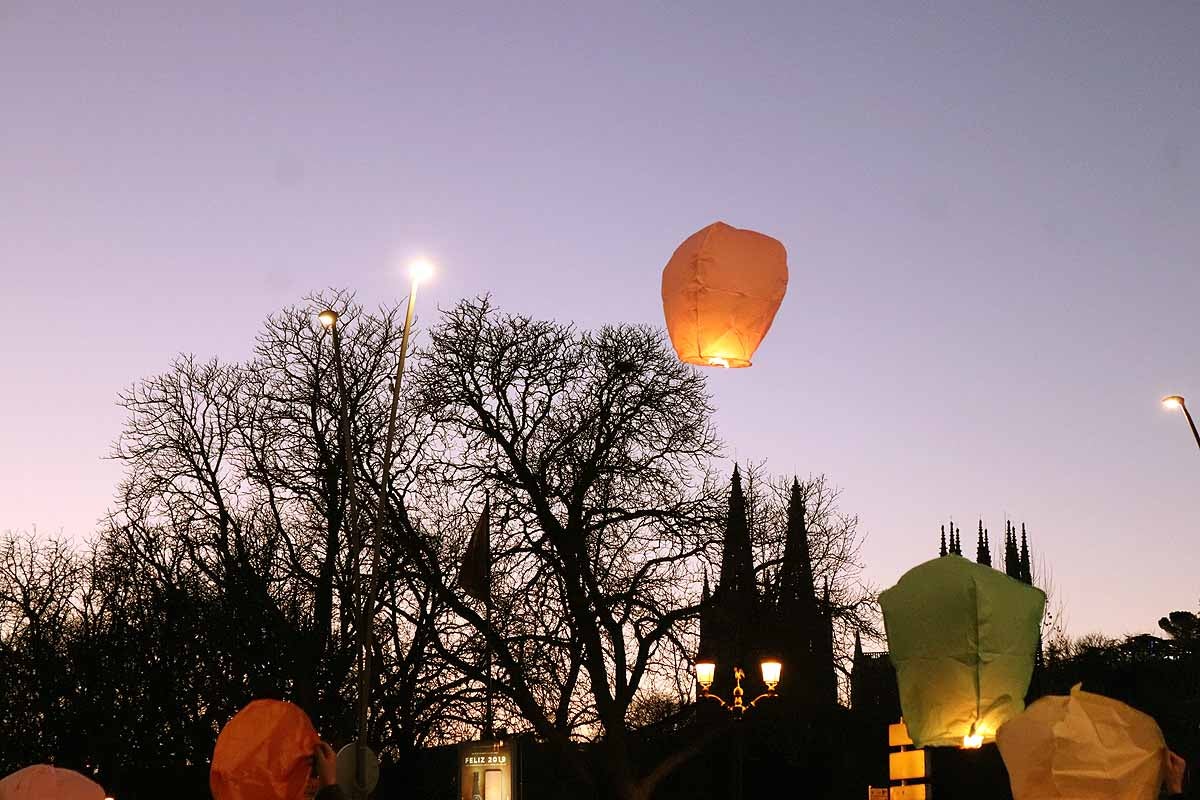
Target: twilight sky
(991, 217)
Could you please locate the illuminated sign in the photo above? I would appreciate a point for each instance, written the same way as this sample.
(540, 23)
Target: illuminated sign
(488, 759)
(486, 771)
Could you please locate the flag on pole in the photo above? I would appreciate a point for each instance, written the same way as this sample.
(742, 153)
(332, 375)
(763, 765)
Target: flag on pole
(475, 578)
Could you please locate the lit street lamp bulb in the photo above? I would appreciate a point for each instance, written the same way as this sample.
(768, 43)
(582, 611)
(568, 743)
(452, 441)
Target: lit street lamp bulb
(705, 671)
(770, 673)
(328, 318)
(1172, 401)
(420, 270)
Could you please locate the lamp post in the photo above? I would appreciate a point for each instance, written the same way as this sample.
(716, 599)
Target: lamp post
(419, 271)
(1176, 401)
(329, 321)
(705, 672)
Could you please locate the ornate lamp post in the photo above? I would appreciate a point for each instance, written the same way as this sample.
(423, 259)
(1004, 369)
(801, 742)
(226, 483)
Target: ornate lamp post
(705, 672)
(1176, 401)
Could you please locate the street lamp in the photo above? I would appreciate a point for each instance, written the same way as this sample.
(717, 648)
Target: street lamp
(706, 671)
(1176, 401)
(329, 319)
(420, 271)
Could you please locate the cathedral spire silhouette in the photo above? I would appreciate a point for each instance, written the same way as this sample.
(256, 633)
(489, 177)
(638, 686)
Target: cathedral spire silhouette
(737, 559)
(1012, 557)
(797, 589)
(1026, 570)
(729, 626)
(983, 552)
(1016, 554)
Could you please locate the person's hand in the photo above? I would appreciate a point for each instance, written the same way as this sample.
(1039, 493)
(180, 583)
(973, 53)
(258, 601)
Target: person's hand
(1176, 768)
(326, 763)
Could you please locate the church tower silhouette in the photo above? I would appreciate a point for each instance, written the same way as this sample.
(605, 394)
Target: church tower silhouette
(782, 617)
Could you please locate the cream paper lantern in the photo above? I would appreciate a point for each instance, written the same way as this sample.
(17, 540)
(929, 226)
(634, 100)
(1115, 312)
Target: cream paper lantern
(1083, 747)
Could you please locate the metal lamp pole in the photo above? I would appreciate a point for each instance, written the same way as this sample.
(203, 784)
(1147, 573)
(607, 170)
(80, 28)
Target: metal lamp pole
(420, 271)
(705, 672)
(1176, 401)
(329, 319)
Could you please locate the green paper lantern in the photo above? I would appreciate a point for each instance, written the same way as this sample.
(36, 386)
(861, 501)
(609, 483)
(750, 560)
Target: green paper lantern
(963, 638)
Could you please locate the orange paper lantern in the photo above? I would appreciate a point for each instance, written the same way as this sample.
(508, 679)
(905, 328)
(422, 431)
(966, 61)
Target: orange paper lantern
(720, 292)
(264, 753)
(44, 782)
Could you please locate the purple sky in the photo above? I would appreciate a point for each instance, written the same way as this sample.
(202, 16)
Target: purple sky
(991, 216)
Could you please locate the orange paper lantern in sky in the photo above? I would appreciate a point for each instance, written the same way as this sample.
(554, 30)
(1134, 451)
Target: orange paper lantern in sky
(720, 292)
(264, 753)
(44, 782)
